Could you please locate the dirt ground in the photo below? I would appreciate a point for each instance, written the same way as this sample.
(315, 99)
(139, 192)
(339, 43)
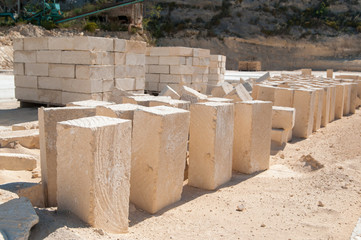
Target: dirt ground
(290, 201)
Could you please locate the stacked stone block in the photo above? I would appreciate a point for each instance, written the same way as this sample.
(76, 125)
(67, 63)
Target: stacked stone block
(62, 70)
(177, 65)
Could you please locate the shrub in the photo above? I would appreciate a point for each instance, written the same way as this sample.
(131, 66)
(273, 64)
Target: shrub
(90, 27)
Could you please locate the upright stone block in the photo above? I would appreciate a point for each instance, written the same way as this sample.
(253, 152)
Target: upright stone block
(353, 98)
(95, 177)
(48, 118)
(210, 144)
(222, 90)
(124, 111)
(326, 107)
(283, 117)
(239, 93)
(304, 103)
(340, 92)
(347, 99)
(252, 136)
(283, 97)
(317, 117)
(332, 103)
(159, 147)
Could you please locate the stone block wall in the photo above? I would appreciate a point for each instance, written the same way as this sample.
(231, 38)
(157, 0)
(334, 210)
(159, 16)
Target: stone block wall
(62, 70)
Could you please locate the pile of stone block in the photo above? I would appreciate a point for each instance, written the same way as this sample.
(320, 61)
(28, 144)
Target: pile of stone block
(177, 65)
(217, 69)
(316, 100)
(57, 71)
(249, 66)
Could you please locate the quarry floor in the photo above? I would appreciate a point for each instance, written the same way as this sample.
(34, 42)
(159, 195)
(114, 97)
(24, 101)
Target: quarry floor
(289, 201)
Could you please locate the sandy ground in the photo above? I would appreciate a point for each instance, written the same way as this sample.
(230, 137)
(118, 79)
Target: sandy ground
(289, 201)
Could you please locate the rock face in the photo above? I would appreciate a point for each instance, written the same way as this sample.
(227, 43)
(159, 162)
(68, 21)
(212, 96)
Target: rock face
(17, 217)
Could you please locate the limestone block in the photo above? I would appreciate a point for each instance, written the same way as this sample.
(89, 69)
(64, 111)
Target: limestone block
(25, 56)
(171, 61)
(326, 106)
(170, 103)
(78, 57)
(26, 81)
(347, 99)
(266, 93)
(34, 193)
(201, 61)
(152, 60)
(95, 178)
(35, 43)
(140, 84)
(159, 148)
(317, 116)
(168, 91)
(182, 69)
(61, 70)
(137, 47)
(191, 95)
(25, 126)
(353, 98)
(152, 86)
(279, 137)
(17, 162)
(123, 111)
(210, 144)
(154, 78)
(129, 71)
(17, 217)
(222, 90)
(50, 96)
(48, 118)
(119, 58)
(332, 103)
(304, 103)
(26, 138)
(61, 43)
(199, 52)
(159, 69)
(329, 73)
(221, 100)
(18, 44)
(306, 72)
(239, 93)
(36, 69)
(125, 84)
(93, 43)
(135, 59)
(252, 136)
(51, 83)
(19, 68)
(169, 78)
(29, 94)
(141, 100)
(283, 117)
(82, 86)
(89, 72)
(181, 51)
(68, 97)
(340, 92)
(45, 56)
(89, 103)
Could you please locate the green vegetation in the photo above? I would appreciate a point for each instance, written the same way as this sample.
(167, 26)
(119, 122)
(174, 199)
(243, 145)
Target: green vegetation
(90, 27)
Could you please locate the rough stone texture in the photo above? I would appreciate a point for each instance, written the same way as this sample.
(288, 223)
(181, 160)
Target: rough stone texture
(222, 90)
(26, 138)
(88, 103)
(168, 91)
(191, 95)
(252, 136)
(210, 145)
(17, 217)
(170, 103)
(17, 162)
(25, 126)
(304, 103)
(48, 118)
(239, 93)
(283, 97)
(159, 147)
(124, 111)
(34, 193)
(283, 117)
(95, 177)
(279, 137)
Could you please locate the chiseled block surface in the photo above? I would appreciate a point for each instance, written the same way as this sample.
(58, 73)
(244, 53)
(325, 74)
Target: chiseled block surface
(252, 136)
(210, 144)
(159, 147)
(283, 117)
(124, 111)
(304, 103)
(95, 178)
(48, 118)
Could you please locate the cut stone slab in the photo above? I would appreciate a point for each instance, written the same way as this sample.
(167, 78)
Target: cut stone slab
(252, 136)
(326, 107)
(170, 103)
(283, 117)
(317, 116)
(25, 126)
(95, 178)
(222, 90)
(17, 217)
(347, 99)
(88, 103)
(283, 97)
(340, 92)
(142, 100)
(239, 93)
(279, 137)
(159, 148)
(266, 93)
(26, 138)
(191, 95)
(48, 118)
(168, 91)
(17, 162)
(124, 111)
(210, 145)
(304, 103)
(353, 98)
(332, 103)
(34, 193)
(220, 100)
